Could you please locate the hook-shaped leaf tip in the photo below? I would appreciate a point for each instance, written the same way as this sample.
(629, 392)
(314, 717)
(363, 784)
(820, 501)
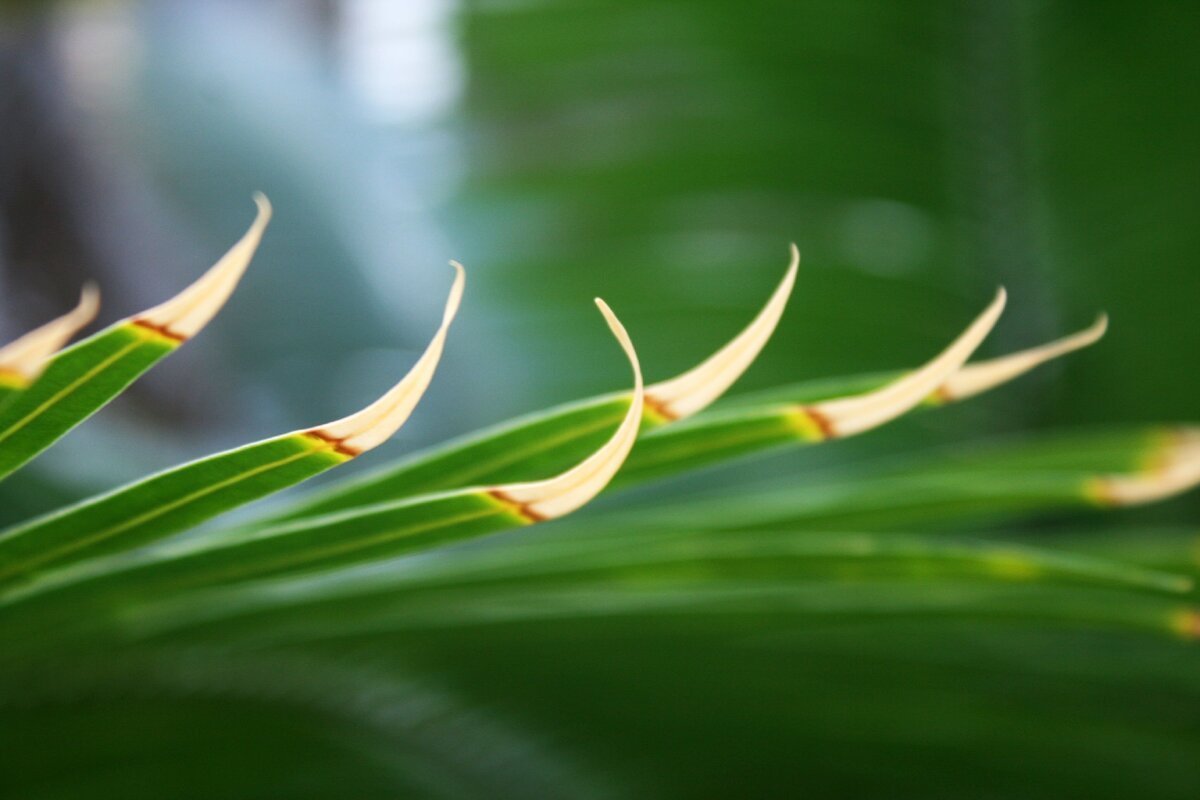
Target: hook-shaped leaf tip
(379, 421)
(186, 314)
(848, 416)
(978, 378)
(697, 388)
(1172, 470)
(537, 501)
(22, 361)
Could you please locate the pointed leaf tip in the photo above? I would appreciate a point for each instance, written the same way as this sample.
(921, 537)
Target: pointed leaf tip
(543, 500)
(974, 379)
(697, 388)
(186, 314)
(1174, 469)
(25, 358)
(853, 415)
(379, 421)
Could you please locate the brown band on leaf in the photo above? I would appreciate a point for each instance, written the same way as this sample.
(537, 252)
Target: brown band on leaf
(521, 509)
(660, 409)
(942, 395)
(823, 423)
(161, 330)
(338, 445)
(1100, 492)
(11, 376)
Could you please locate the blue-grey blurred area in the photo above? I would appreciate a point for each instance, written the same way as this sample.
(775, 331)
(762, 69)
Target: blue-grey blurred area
(658, 153)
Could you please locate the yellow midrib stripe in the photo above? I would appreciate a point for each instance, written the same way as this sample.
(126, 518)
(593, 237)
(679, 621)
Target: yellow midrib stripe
(542, 446)
(151, 515)
(718, 444)
(343, 547)
(68, 389)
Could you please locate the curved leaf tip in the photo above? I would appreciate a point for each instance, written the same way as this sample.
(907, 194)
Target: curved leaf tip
(379, 421)
(975, 379)
(697, 388)
(1172, 470)
(543, 500)
(853, 415)
(22, 361)
(186, 314)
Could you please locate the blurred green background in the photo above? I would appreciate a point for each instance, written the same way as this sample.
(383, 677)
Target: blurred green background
(661, 155)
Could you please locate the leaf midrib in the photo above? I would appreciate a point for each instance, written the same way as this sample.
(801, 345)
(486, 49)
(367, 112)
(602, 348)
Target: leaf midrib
(149, 516)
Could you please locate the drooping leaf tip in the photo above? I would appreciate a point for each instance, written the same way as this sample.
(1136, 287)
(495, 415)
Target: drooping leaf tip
(537, 501)
(186, 314)
(977, 378)
(22, 361)
(696, 389)
(1173, 468)
(848, 416)
(379, 421)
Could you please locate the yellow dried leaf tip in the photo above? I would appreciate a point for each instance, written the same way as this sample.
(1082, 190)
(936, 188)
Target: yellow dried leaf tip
(697, 388)
(22, 362)
(542, 500)
(1174, 470)
(376, 423)
(853, 415)
(978, 378)
(186, 314)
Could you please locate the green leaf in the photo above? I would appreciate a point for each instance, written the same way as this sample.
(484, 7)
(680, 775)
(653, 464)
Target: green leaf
(691, 573)
(82, 379)
(184, 497)
(1053, 472)
(157, 507)
(8, 392)
(23, 361)
(77, 383)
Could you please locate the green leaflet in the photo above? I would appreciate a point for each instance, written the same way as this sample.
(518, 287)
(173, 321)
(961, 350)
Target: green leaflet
(9, 391)
(77, 383)
(988, 481)
(161, 505)
(307, 546)
(648, 573)
(546, 442)
(186, 496)
(589, 573)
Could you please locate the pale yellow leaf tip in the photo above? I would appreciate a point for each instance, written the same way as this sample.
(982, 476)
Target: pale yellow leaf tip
(24, 359)
(853, 415)
(974, 379)
(379, 421)
(697, 388)
(1175, 470)
(186, 314)
(543, 500)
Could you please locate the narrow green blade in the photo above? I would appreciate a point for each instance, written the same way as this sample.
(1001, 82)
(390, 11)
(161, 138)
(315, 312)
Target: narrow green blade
(1054, 472)
(9, 392)
(546, 442)
(76, 384)
(645, 573)
(184, 497)
(79, 381)
(159, 506)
